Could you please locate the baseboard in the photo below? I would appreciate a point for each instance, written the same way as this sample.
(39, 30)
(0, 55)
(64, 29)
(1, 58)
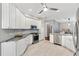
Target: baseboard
(57, 44)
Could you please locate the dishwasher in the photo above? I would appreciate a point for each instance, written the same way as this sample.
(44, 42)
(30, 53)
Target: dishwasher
(57, 39)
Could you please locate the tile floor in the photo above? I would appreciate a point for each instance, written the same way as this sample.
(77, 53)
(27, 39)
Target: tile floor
(45, 48)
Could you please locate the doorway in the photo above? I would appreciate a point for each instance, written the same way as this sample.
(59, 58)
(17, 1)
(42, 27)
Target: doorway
(49, 30)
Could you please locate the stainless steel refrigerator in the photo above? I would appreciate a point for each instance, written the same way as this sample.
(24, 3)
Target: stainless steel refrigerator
(76, 44)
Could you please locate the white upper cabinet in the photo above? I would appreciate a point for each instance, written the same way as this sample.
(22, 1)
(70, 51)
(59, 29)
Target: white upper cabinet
(28, 23)
(36, 23)
(13, 18)
(5, 16)
(23, 18)
(39, 24)
(18, 19)
(8, 16)
(21, 46)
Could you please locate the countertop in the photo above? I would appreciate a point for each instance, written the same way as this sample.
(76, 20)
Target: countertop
(18, 38)
(14, 38)
(60, 34)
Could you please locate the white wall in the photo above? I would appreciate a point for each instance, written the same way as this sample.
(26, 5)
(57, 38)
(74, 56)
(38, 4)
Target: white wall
(42, 30)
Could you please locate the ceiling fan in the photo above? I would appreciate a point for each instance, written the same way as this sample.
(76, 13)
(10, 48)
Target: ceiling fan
(45, 8)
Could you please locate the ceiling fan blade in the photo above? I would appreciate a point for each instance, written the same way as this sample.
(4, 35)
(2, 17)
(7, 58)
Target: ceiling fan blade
(53, 9)
(40, 12)
(44, 5)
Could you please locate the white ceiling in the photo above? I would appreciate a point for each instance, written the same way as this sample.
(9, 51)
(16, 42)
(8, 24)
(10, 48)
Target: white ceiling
(66, 10)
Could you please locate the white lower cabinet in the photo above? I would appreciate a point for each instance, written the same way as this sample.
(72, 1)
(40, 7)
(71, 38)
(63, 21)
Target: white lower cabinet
(16, 47)
(21, 46)
(30, 39)
(8, 49)
(51, 38)
(67, 41)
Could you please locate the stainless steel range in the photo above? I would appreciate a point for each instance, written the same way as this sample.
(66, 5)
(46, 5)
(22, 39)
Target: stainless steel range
(35, 38)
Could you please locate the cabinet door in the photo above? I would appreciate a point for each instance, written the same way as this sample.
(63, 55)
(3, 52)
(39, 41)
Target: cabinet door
(51, 38)
(18, 19)
(27, 23)
(21, 46)
(22, 20)
(12, 16)
(5, 15)
(8, 16)
(30, 39)
(36, 22)
(39, 24)
(33, 22)
(64, 41)
(67, 41)
(8, 49)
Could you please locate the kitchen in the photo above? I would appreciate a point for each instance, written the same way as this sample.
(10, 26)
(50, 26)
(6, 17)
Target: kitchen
(16, 26)
(19, 28)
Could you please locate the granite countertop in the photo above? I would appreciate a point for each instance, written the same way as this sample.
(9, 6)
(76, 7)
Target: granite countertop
(60, 34)
(14, 38)
(67, 34)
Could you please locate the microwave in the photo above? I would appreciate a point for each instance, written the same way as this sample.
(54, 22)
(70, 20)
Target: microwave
(33, 27)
